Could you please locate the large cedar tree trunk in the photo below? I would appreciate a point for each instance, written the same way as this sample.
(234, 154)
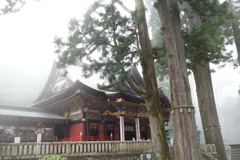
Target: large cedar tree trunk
(207, 106)
(160, 145)
(236, 31)
(206, 100)
(186, 144)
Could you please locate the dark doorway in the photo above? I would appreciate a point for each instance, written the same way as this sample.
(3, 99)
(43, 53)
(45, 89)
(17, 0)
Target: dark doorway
(144, 135)
(93, 129)
(130, 133)
(109, 130)
(60, 132)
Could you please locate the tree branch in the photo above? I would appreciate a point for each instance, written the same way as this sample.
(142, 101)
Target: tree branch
(9, 8)
(123, 6)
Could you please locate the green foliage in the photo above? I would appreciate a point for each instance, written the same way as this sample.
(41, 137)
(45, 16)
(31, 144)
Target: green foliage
(209, 10)
(161, 64)
(54, 157)
(139, 17)
(206, 42)
(105, 40)
(12, 6)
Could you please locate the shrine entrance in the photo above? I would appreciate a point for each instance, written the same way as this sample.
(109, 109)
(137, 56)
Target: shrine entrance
(110, 129)
(130, 133)
(61, 131)
(93, 129)
(144, 134)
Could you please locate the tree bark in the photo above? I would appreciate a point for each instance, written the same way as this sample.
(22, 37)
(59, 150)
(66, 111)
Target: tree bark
(206, 100)
(207, 106)
(186, 144)
(236, 34)
(236, 31)
(152, 99)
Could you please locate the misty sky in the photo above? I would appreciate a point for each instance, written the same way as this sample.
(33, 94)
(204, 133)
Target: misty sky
(27, 49)
(27, 53)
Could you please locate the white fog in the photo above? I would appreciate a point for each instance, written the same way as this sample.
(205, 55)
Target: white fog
(27, 54)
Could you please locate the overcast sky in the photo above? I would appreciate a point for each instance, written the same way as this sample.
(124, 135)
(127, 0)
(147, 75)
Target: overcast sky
(27, 36)
(26, 42)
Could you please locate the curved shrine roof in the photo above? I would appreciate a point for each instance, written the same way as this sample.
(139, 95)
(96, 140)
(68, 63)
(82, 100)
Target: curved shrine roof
(75, 89)
(28, 113)
(113, 93)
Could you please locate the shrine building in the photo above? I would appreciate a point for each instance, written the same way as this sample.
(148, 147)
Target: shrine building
(71, 109)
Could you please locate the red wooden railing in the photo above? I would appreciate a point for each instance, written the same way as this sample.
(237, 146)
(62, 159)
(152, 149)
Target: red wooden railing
(86, 138)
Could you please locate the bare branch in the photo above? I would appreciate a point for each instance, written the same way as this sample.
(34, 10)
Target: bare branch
(123, 6)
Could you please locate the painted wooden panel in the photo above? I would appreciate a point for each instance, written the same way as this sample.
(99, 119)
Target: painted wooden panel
(75, 129)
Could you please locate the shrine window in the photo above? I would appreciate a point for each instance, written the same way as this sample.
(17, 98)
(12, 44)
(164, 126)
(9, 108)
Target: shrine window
(48, 134)
(9, 132)
(26, 133)
(93, 126)
(109, 127)
(93, 129)
(129, 128)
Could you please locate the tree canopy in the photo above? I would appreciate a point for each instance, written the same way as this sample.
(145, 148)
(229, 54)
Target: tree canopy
(111, 43)
(107, 34)
(207, 41)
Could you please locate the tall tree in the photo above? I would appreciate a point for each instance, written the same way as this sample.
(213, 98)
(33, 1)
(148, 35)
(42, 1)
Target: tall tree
(236, 25)
(150, 83)
(186, 144)
(121, 41)
(204, 44)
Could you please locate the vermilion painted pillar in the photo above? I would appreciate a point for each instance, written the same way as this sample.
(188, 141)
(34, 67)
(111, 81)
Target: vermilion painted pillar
(111, 137)
(122, 128)
(81, 137)
(137, 127)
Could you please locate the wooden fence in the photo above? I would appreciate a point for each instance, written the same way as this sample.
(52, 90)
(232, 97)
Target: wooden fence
(207, 156)
(209, 152)
(37, 150)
